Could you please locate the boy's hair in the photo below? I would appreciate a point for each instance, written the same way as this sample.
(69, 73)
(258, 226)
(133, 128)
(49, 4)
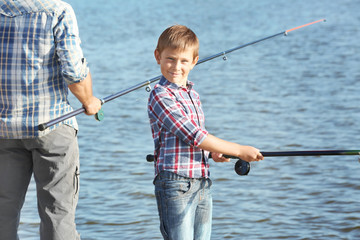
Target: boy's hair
(178, 37)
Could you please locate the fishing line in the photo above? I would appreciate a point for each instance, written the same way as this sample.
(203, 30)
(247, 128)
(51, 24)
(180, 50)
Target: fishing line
(100, 115)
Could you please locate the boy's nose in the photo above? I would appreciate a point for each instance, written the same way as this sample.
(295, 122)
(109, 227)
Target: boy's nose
(177, 65)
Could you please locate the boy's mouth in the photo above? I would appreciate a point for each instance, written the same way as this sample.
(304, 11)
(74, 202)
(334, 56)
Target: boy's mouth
(175, 74)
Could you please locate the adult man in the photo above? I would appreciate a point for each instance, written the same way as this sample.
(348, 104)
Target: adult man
(40, 58)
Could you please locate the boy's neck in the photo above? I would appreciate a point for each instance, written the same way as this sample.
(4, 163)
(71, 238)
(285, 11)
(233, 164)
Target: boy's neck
(180, 84)
(183, 84)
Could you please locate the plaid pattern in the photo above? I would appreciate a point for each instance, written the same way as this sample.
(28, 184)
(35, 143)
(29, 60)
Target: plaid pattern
(40, 55)
(177, 124)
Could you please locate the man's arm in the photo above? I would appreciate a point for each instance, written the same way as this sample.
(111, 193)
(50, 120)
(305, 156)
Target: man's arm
(83, 92)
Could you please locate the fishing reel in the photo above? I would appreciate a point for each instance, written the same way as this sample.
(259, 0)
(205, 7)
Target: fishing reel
(99, 116)
(242, 167)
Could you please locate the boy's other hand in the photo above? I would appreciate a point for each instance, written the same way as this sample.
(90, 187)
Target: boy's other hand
(218, 157)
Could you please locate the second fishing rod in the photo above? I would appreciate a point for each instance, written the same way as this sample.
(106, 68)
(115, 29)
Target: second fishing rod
(243, 168)
(100, 115)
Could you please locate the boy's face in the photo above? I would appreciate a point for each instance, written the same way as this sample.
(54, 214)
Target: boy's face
(176, 64)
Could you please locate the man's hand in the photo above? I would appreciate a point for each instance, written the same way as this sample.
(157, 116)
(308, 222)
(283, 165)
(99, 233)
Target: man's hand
(92, 106)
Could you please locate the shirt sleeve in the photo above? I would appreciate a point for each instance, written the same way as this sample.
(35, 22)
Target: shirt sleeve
(168, 112)
(74, 67)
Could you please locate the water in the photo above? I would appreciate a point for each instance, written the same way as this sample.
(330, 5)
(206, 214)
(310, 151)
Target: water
(299, 92)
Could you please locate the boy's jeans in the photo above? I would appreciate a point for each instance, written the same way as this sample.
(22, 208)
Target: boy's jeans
(184, 205)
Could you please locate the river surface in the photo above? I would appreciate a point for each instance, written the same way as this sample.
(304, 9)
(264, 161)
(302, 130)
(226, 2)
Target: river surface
(295, 92)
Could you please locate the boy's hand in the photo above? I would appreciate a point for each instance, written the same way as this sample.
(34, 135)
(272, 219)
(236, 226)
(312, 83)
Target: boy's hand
(250, 154)
(218, 157)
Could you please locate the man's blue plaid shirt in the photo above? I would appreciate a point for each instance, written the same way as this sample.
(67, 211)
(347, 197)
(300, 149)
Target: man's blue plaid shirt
(40, 55)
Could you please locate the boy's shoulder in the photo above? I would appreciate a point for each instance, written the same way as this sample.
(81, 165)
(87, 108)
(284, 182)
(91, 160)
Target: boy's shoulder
(164, 86)
(158, 88)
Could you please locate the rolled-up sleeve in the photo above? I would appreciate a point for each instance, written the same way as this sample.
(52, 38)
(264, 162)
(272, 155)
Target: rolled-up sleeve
(74, 66)
(168, 112)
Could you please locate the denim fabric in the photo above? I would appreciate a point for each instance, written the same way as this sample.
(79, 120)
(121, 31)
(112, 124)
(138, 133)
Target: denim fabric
(184, 205)
(54, 160)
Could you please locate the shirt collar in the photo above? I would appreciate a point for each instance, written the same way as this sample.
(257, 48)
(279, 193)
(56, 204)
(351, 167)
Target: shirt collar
(165, 82)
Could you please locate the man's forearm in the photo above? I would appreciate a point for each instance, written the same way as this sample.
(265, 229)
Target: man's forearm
(83, 92)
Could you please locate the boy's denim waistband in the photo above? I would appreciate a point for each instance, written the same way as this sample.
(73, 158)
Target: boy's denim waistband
(173, 176)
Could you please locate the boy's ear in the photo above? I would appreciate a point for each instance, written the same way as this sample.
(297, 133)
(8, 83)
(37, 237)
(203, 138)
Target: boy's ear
(196, 59)
(157, 56)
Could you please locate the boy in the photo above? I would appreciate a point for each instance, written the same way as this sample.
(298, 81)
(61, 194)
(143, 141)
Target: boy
(182, 184)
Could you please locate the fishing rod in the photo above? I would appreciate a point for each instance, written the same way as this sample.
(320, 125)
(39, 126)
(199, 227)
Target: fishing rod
(100, 115)
(243, 168)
